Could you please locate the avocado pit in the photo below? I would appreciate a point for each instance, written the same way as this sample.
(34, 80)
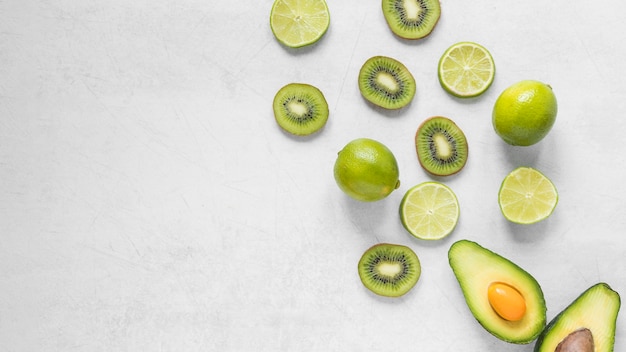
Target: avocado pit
(580, 340)
(506, 301)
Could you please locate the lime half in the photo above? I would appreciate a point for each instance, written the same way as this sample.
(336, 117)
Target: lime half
(527, 196)
(466, 70)
(297, 23)
(429, 211)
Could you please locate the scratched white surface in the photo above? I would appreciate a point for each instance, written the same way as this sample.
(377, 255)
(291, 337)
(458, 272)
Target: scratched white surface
(149, 202)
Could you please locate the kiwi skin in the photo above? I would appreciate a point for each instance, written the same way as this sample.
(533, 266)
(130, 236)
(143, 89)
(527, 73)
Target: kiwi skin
(380, 94)
(389, 253)
(305, 97)
(424, 146)
(404, 28)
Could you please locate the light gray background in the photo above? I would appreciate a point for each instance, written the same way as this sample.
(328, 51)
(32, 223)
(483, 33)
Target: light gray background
(149, 202)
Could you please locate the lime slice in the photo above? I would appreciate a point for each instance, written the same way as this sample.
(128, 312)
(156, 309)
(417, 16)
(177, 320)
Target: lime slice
(297, 23)
(466, 70)
(527, 196)
(429, 211)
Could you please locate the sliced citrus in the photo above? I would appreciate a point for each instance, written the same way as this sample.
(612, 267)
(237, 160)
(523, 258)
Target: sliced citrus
(466, 70)
(429, 211)
(297, 23)
(527, 196)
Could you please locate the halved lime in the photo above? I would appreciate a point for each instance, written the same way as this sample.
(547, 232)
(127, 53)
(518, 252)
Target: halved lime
(527, 196)
(297, 23)
(429, 210)
(466, 70)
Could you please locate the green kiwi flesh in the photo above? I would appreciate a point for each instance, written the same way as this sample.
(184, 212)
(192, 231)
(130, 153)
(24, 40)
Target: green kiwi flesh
(441, 146)
(412, 19)
(389, 269)
(300, 109)
(386, 82)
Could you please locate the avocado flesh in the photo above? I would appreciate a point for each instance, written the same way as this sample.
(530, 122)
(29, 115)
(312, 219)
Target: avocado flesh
(595, 309)
(475, 268)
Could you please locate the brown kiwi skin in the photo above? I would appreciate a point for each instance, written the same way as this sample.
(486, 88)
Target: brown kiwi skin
(425, 167)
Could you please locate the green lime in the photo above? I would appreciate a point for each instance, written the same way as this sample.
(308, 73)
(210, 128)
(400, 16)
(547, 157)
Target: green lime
(527, 196)
(466, 70)
(366, 170)
(297, 23)
(429, 211)
(525, 112)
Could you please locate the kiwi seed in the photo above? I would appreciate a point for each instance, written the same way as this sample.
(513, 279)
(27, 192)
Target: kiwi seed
(389, 269)
(412, 19)
(441, 146)
(386, 82)
(300, 109)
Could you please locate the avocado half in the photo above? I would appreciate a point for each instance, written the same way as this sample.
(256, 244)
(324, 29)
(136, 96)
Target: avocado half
(476, 268)
(594, 312)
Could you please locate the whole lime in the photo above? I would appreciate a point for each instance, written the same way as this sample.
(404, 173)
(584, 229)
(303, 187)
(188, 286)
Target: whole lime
(525, 112)
(366, 170)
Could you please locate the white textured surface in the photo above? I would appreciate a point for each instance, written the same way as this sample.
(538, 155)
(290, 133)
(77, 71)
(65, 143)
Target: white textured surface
(149, 202)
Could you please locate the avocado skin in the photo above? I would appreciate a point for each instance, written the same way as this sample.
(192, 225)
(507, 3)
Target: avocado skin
(548, 329)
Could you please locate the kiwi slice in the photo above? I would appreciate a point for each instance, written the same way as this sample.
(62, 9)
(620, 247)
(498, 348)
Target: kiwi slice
(386, 82)
(412, 19)
(300, 109)
(389, 269)
(441, 146)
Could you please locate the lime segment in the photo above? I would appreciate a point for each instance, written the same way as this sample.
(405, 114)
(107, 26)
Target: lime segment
(527, 196)
(429, 211)
(297, 23)
(466, 70)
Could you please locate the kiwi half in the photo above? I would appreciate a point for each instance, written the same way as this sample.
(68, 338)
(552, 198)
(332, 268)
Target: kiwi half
(389, 269)
(441, 146)
(412, 19)
(386, 82)
(300, 109)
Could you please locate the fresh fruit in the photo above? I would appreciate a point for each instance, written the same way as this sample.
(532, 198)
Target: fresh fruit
(527, 196)
(386, 82)
(429, 210)
(300, 108)
(297, 23)
(411, 19)
(466, 70)
(525, 112)
(505, 299)
(586, 325)
(389, 269)
(441, 146)
(366, 170)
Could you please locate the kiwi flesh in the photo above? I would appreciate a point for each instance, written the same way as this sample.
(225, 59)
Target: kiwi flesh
(389, 270)
(412, 19)
(441, 146)
(386, 82)
(300, 109)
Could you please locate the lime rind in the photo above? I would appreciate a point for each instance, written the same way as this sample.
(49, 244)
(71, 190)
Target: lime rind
(430, 211)
(466, 70)
(296, 23)
(527, 196)
(366, 170)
